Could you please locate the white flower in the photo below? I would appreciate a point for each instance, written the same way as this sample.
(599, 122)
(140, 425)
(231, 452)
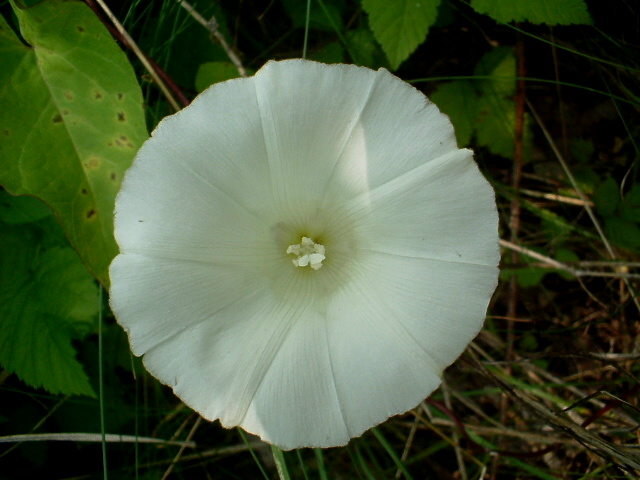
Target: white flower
(303, 252)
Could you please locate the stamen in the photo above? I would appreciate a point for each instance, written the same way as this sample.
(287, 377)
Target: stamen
(309, 253)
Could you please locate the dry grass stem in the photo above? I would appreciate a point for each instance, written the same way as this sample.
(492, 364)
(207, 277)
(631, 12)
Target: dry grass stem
(141, 56)
(212, 26)
(548, 262)
(583, 197)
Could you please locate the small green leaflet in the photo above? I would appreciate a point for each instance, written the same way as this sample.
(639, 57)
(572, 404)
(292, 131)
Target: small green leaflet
(550, 12)
(458, 99)
(621, 213)
(607, 197)
(364, 50)
(72, 121)
(485, 107)
(400, 25)
(214, 72)
(325, 15)
(47, 299)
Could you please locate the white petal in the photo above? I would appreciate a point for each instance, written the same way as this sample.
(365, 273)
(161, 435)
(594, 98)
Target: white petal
(196, 189)
(443, 209)
(155, 298)
(398, 130)
(309, 112)
(397, 325)
(297, 404)
(261, 363)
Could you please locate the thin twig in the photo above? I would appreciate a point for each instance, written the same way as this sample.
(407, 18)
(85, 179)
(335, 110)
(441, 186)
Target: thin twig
(455, 434)
(583, 197)
(407, 445)
(212, 26)
(514, 220)
(90, 438)
(552, 263)
(141, 56)
(37, 426)
(554, 197)
(625, 457)
(182, 448)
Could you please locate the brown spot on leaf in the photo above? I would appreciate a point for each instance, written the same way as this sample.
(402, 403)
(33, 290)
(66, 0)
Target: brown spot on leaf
(122, 117)
(57, 118)
(113, 176)
(68, 95)
(92, 163)
(80, 28)
(84, 191)
(91, 213)
(65, 112)
(98, 95)
(123, 142)
(120, 96)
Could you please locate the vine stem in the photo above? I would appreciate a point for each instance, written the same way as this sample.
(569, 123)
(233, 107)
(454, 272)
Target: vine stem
(212, 26)
(103, 432)
(141, 56)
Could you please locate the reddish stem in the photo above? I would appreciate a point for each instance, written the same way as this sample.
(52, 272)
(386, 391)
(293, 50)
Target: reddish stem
(182, 98)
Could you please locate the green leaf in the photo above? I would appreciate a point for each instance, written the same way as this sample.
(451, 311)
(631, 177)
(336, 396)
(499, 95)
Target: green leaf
(364, 50)
(622, 232)
(550, 12)
(565, 255)
(495, 115)
(528, 273)
(330, 53)
(458, 99)
(496, 123)
(631, 204)
(326, 19)
(214, 72)
(530, 276)
(72, 121)
(526, 276)
(607, 197)
(500, 65)
(17, 210)
(47, 298)
(400, 26)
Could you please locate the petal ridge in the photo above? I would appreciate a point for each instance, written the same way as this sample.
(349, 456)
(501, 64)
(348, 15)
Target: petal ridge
(207, 182)
(354, 125)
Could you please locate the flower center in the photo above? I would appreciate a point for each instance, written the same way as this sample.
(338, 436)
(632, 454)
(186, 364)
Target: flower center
(308, 252)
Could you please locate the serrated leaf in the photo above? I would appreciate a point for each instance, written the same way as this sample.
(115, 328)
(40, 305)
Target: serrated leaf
(495, 115)
(47, 298)
(550, 12)
(400, 26)
(72, 121)
(214, 72)
(607, 197)
(458, 99)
